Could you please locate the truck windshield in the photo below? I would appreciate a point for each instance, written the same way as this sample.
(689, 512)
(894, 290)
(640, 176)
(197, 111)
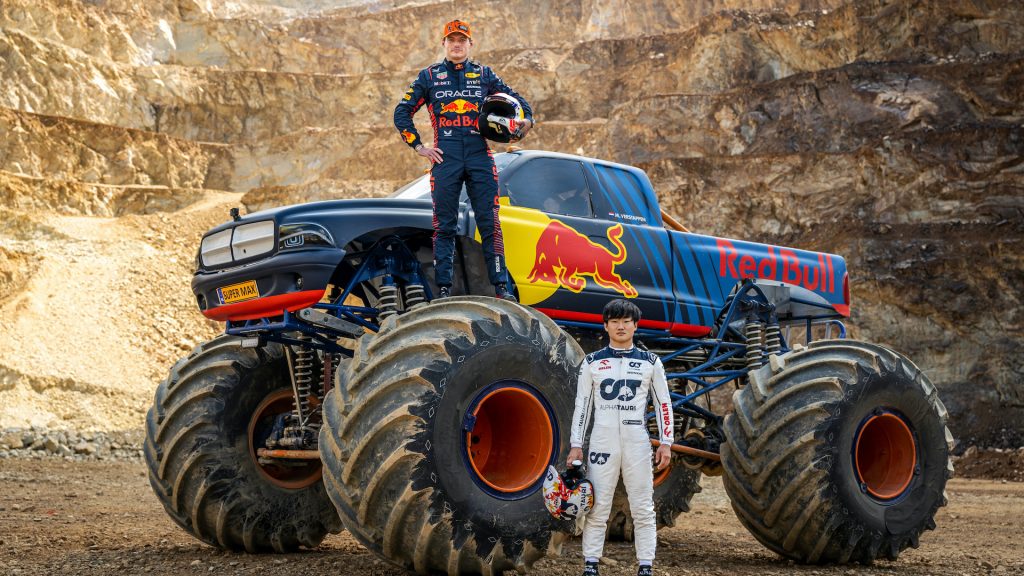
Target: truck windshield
(420, 187)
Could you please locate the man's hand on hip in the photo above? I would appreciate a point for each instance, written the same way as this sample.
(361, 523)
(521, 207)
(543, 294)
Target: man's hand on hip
(662, 457)
(574, 454)
(432, 154)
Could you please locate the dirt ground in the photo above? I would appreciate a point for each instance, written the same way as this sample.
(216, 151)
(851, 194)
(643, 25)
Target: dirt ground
(59, 517)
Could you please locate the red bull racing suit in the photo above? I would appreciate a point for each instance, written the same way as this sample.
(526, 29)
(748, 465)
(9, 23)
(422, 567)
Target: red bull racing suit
(614, 386)
(453, 93)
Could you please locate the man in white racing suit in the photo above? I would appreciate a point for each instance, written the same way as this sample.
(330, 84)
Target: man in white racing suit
(614, 383)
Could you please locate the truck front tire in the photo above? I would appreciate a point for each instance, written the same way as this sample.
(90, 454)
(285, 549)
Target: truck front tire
(438, 433)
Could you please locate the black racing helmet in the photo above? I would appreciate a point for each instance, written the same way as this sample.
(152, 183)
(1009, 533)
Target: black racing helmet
(501, 118)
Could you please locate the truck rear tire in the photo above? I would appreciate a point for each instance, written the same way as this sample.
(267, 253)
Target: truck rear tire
(201, 454)
(837, 453)
(674, 488)
(439, 431)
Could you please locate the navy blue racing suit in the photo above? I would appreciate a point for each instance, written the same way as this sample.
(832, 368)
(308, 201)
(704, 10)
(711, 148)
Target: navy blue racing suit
(453, 94)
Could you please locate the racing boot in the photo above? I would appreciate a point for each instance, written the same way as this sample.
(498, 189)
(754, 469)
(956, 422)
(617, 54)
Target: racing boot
(443, 292)
(501, 292)
(645, 571)
(590, 569)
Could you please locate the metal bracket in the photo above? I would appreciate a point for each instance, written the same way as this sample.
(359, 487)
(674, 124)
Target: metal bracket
(317, 318)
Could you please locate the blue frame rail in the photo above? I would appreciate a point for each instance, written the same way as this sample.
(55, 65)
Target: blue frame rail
(388, 258)
(748, 301)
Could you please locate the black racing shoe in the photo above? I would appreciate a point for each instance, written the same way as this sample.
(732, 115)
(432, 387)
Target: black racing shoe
(645, 571)
(590, 569)
(501, 291)
(443, 292)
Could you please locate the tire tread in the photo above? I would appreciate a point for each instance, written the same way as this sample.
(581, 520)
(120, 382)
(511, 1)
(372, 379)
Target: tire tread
(189, 459)
(364, 466)
(774, 468)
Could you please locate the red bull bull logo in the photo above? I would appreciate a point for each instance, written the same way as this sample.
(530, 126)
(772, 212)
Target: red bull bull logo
(409, 136)
(459, 106)
(566, 257)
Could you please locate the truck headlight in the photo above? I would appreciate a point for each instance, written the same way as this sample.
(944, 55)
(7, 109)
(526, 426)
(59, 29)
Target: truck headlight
(253, 239)
(216, 248)
(295, 236)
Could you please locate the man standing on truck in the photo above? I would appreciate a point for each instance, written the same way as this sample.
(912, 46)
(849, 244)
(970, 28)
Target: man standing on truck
(453, 91)
(615, 382)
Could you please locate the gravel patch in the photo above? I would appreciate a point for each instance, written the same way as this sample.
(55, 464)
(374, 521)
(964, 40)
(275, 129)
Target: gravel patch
(39, 443)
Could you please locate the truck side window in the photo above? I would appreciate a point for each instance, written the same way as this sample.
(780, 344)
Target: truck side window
(553, 185)
(622, 197)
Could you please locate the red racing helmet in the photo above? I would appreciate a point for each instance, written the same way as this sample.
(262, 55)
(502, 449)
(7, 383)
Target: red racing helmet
(568, 497)
(501, 118)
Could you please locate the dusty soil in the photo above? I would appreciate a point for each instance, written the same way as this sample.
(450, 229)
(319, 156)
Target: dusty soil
(999, 464)
(59, 517)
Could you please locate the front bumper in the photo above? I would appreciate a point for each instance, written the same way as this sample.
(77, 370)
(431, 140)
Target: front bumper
(285, 281)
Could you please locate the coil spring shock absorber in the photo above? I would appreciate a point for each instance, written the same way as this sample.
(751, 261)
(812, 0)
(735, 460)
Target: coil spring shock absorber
(299, 433)
(752, 331)
(387, 305)
(303, 371)
(772, 339)
(415, 296)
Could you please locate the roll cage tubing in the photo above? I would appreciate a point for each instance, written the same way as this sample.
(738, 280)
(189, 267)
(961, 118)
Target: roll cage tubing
(390, 259)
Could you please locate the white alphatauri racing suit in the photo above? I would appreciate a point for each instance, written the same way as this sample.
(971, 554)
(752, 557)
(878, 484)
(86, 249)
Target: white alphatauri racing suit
(615, 384)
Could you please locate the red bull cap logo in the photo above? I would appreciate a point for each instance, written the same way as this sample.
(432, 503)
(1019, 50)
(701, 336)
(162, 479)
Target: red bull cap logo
(566, 258)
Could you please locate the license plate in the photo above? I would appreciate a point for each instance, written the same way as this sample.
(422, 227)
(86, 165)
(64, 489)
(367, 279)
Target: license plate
(238, 292)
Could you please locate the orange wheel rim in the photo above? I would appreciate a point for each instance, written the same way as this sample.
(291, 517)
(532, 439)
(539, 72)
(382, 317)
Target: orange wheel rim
(512, 440)
(288, 477)
(885, 455)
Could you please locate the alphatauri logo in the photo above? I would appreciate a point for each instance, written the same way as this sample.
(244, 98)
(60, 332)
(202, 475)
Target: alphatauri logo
(624, 390)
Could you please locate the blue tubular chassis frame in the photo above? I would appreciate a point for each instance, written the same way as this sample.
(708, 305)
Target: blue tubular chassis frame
(388, 259)
(747, 302)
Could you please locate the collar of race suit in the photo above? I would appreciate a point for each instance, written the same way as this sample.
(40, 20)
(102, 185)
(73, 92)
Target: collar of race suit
(457, 65)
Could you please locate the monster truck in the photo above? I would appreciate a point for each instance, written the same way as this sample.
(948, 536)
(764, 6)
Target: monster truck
(343, 395)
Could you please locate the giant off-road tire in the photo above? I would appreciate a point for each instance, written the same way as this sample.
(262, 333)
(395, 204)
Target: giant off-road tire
(202, 461)
(837, 453)
(674, 488)
(409, 479)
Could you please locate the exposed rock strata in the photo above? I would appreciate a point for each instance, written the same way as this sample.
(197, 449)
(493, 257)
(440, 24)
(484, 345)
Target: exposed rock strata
(887, 131)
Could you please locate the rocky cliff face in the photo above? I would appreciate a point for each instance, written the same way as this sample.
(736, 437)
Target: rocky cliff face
(887, 131)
